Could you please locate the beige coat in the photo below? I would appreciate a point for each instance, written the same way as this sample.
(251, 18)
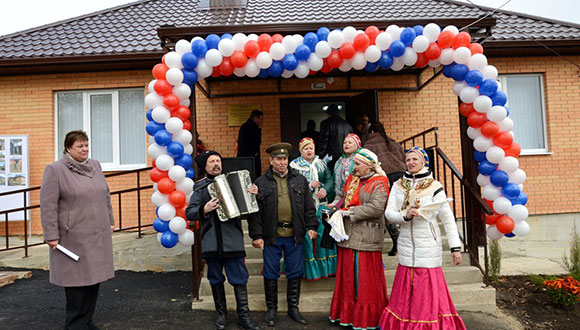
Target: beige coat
(75, 208)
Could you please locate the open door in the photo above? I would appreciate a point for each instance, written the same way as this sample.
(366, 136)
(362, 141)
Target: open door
(364, 103)
(290, 124)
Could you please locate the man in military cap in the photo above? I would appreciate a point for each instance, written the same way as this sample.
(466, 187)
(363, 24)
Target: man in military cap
(286, 215)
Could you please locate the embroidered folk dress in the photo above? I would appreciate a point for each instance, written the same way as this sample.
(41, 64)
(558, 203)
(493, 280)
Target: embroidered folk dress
(318, 261)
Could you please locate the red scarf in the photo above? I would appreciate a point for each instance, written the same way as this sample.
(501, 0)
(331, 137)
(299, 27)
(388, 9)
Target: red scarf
(352, 198)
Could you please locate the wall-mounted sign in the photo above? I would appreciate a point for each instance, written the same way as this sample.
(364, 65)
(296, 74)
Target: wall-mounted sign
(13, 173)
(239, 113)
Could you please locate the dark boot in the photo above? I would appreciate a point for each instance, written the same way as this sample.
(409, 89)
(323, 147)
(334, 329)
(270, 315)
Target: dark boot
(394, 233)
(293, 296)
(271, 291)
(243, 309)
(219, 299)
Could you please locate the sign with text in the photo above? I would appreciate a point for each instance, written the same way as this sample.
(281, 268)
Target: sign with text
(239, 113)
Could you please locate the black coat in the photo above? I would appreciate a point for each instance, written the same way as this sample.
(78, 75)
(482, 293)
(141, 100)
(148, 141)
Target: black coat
(218, 239)
(264, 223)
(333, 130)
(249, 140)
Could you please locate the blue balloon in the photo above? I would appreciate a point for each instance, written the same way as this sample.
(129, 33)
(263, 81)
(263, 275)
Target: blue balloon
(184, 161)
(189, 173)
(189, 77)
(153, 127)
(447, 69)
(175, 149)
(459, 71)
(507, 110)
(386, 60)
(322, 33)
(310, 40)
(169, 239)
(510, 235)
(289, 62)
(162, 137)
(199, 48)
(302, 52)
(511, 190)
(212, 41)
(160, 225)
(418, 30)
(408, 35)
(473, 78)
(479, 156)
(263, 73)
(371, 67)
(156, 210)
(276, 69)
(488, 87)
(397, 48)
(486, 168)
(499, 178)
(227, 36)
(148, 115)
(499, 98)
(522, 199)
(189, 61)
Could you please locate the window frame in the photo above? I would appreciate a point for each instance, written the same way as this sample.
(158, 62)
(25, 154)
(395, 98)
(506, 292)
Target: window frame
(115, 121)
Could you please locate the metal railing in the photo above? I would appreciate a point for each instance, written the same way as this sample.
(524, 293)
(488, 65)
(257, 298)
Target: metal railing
(137, 187)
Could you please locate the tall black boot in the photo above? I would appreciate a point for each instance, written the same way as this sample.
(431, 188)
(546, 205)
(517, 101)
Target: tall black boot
(243, 309)
(293, 296)
(394, 233)
(219, 299)
(271, 291)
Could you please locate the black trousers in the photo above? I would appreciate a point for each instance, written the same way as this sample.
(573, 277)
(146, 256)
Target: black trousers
(80, 306)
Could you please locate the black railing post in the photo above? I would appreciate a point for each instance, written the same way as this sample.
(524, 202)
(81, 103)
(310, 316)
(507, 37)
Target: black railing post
(139, 202)
(25, 224)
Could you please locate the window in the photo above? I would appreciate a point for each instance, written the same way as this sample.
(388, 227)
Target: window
(525, 94)
(114, 121)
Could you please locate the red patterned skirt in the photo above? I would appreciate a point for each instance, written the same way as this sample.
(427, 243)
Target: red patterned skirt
(420, 300)
(360, 291)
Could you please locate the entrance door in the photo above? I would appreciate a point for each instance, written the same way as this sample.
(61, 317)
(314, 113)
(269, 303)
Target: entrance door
(365, 103)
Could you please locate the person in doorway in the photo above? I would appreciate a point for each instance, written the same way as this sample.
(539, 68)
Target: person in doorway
(250, 139)
(318, 261)
(361, 127)
(222, 243)
(286, 215)
(333, 130)
(344, 166)
(420, 295)
(360, 292)
(76, 212)
(311, 132)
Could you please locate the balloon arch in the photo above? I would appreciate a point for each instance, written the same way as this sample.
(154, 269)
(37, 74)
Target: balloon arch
(483, 103)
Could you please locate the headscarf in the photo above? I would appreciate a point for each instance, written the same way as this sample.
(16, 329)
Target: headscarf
(355, 138)
(421, 153)
(304, 142)
(369, 158)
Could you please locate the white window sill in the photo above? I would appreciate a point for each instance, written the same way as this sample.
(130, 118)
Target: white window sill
(111, 168)
(535, 153)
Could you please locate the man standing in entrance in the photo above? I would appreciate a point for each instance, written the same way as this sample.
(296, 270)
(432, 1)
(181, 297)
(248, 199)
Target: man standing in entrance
(250, 138)
(286, 214)
(333, 130)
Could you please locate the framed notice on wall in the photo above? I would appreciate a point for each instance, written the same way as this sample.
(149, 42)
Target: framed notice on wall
(13, 173)
(239, 113)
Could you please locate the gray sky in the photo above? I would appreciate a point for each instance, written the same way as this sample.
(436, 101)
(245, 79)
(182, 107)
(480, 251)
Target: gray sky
(24, 14)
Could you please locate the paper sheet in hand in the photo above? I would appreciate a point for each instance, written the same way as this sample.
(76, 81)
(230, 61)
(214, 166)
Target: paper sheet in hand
(68, 252)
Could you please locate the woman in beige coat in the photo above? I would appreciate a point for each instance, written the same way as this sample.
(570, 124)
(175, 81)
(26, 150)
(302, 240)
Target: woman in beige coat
(76, 213)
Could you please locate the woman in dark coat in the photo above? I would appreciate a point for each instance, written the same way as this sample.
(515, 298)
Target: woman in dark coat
(76, 213)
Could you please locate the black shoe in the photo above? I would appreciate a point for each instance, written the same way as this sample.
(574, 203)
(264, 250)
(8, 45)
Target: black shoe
(293, 296)
(243, 309)
(219, 299)
(271, 291)
(393, 251)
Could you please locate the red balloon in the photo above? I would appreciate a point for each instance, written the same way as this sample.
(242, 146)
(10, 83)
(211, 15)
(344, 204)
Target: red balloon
(372, 31)
(476, 48)
(157, 174)
(325, 67)
(476, 119)
(361, 41)
(180, 212)
(433, 51)
(503, 139)
(445, 39)
(347, 50)
(159, 70)
(489, 203)
(489, 129)
(163, 58)
(334, 59)
(153, 163)
(466, 108)
(166, 186)
(277, 38)
(422, 60)
(252, 48)
(312, 73)
(187, 125)
(216, 72)
(162, 87)
(505, 224)
(177, 198)
(462, 39)
(492, 219)
(171, 101)
(265, 41)
(182, 112)
(239, 59)
(226, 68)
(513, 150)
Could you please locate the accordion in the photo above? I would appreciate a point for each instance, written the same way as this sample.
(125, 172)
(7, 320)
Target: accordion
(231, 191)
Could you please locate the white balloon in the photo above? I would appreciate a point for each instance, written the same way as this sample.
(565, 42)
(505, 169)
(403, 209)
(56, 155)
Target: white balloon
(373, 54)
(482, 104)
(226, 47)
(462, 55)
(481, 143)
(509, 164)
(164, 162)
(502, 205)
(239, 40)
(239, 72)
(182, 47)
(483, 180)
(186, 185)
(420, 44)
(252, 69)
(153, 100)
(155, 186)
(518, 213)
(253, 36)
(473, 133)
(518, 176)
(358, 61)
(409, 57)
(264, 60)
(434, 63)
(394, 31)
(452, 28)
(335, 39)
(289, 44)
(299, 39)
(477, 62)
(213, 57)
(506, 125)
(383, 41)
(277, 51)
(493, 233)
(322, 49)
(154, 150)
(203, 69)
(186, 238)
(184, 102)
(491, 192)
(183, 136)
(174, 125)
(160, 114)
(151, 86)
(173, 60)
(174, 76)
(489, 72)
(166, 212)
(197, 38)
(159, 237)
(159, 199)
(349, 33)
(431, 31)
(151, 140)
(188, 149)
(497, 113)
(183, 91)
(315, 63)
(398, 64)
(495, 154)
(446, 56)
(176, 173)
(287, 74)
(521, 228)
(468, 94)
(302, 70)
(458, 86)
(346, 65)
(178, 225)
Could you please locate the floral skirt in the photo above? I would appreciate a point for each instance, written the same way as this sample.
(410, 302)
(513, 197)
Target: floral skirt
(318, 261)
(420, 300)
(360, 292)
